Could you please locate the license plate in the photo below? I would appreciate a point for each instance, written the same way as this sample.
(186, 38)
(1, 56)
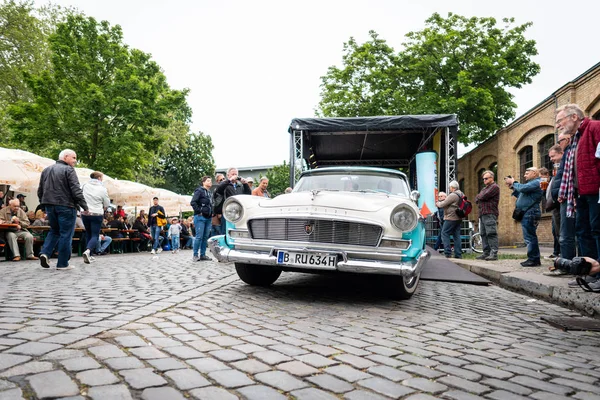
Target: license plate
(307, 259)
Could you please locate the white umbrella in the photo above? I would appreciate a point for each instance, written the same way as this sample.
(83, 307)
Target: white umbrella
(128, 193)
(21, 169)
(184, 203)
(168, 200)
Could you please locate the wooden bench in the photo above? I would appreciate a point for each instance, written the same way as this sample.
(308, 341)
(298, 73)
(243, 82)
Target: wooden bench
(118, 240)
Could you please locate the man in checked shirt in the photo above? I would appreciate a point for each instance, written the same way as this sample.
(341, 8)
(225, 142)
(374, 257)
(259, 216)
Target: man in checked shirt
(487, 202)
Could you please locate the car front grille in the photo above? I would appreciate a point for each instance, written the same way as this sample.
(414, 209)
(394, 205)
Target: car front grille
(315, 231)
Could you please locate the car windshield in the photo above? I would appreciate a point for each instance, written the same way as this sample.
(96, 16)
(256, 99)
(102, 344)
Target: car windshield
(354, 182)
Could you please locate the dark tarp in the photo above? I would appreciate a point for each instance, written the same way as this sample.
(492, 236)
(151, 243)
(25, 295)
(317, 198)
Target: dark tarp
(390, 141)
(362, 124)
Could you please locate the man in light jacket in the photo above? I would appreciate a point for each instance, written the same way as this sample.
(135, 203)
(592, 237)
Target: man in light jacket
(452, 222)
(96, 197)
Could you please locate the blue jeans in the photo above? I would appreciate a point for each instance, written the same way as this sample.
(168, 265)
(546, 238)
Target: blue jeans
(566, 236)
(62, 227)
(102, 245)
(452, 228)
(174, 242)
(203, 226)
(438, 242)
(587, 225)
(92, 224)
(556, 230)
(156, 238)
(217, 229)
(529, 224)
(189, 242)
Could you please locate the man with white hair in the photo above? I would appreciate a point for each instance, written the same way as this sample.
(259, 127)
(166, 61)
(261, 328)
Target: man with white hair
(13, 214)
(452, 222)
(59, 192)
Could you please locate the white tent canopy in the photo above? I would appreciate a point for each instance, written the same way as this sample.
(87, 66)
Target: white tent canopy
(21, 169)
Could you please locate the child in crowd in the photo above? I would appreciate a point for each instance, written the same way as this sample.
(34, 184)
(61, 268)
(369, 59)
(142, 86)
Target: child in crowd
(174, 232)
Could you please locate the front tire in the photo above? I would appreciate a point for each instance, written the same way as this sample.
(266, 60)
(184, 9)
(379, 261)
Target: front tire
(402, 287)
(257, 275)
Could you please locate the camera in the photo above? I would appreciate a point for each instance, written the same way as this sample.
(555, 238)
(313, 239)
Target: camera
(576, 266)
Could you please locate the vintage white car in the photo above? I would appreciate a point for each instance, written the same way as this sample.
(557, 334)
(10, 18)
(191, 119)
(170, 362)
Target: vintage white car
(349, 219)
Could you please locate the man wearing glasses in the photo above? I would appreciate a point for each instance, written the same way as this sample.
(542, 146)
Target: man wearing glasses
(581, 177)
(487, 201)
(529, 195)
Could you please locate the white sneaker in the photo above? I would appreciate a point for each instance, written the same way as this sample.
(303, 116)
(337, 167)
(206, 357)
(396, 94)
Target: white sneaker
(159, 250)
(68, 267)
(86, 256)
(153, 251)
(172, 251)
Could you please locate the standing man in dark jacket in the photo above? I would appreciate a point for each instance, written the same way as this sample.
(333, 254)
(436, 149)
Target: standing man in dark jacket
(60, 193)
(155, 213)
(529, 195)
(203, 211)
(487, 201)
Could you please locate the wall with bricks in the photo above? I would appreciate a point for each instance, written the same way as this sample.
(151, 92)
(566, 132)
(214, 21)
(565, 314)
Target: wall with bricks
(527, 130)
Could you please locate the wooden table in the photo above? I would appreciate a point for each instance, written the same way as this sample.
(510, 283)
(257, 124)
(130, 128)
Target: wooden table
(8, 227)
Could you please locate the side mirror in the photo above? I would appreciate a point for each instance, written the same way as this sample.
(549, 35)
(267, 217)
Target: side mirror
(414, 195)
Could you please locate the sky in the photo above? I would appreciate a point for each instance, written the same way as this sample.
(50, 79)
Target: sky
(253, 66)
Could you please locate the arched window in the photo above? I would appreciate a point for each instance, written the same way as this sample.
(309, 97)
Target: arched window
(461, 184)
(543, 148)
(525, 161)
(480, 180)
(596, 116)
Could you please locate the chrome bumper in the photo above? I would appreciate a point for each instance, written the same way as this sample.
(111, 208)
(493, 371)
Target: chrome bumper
(362, 266)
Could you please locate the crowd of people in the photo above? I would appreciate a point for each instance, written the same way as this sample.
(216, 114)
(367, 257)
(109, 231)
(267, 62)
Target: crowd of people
(570, 191)
(84, 212)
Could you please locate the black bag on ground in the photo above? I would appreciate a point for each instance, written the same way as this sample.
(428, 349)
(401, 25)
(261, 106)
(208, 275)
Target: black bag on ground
(518, 214)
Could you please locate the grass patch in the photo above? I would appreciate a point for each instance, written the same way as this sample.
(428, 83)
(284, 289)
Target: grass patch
(472, 256)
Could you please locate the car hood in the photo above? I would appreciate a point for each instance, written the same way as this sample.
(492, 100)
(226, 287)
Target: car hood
(359, 201)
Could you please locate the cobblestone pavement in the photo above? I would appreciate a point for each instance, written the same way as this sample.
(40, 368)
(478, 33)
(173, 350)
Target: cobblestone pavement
(133, 326)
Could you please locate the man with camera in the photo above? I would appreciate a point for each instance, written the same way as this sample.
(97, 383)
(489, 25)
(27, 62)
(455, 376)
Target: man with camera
(527, 211)
(584, 268)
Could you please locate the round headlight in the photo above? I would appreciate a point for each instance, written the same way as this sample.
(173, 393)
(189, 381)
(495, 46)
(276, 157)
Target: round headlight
(233, 211)
(404, 218)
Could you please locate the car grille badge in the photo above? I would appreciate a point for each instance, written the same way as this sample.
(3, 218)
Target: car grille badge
(309, 228)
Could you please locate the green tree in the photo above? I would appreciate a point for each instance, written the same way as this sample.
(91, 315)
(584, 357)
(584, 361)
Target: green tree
(455, 65)
(100, 98)
(279, 179)
(23, 48)
(188, 163)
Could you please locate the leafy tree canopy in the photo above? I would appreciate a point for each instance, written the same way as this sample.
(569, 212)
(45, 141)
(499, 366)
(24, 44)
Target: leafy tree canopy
(456, 65)
(102, 99)
(279, 179)
(188, 162)
(23, 48)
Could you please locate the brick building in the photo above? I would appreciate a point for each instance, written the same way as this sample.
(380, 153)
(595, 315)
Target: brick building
(522, 144)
